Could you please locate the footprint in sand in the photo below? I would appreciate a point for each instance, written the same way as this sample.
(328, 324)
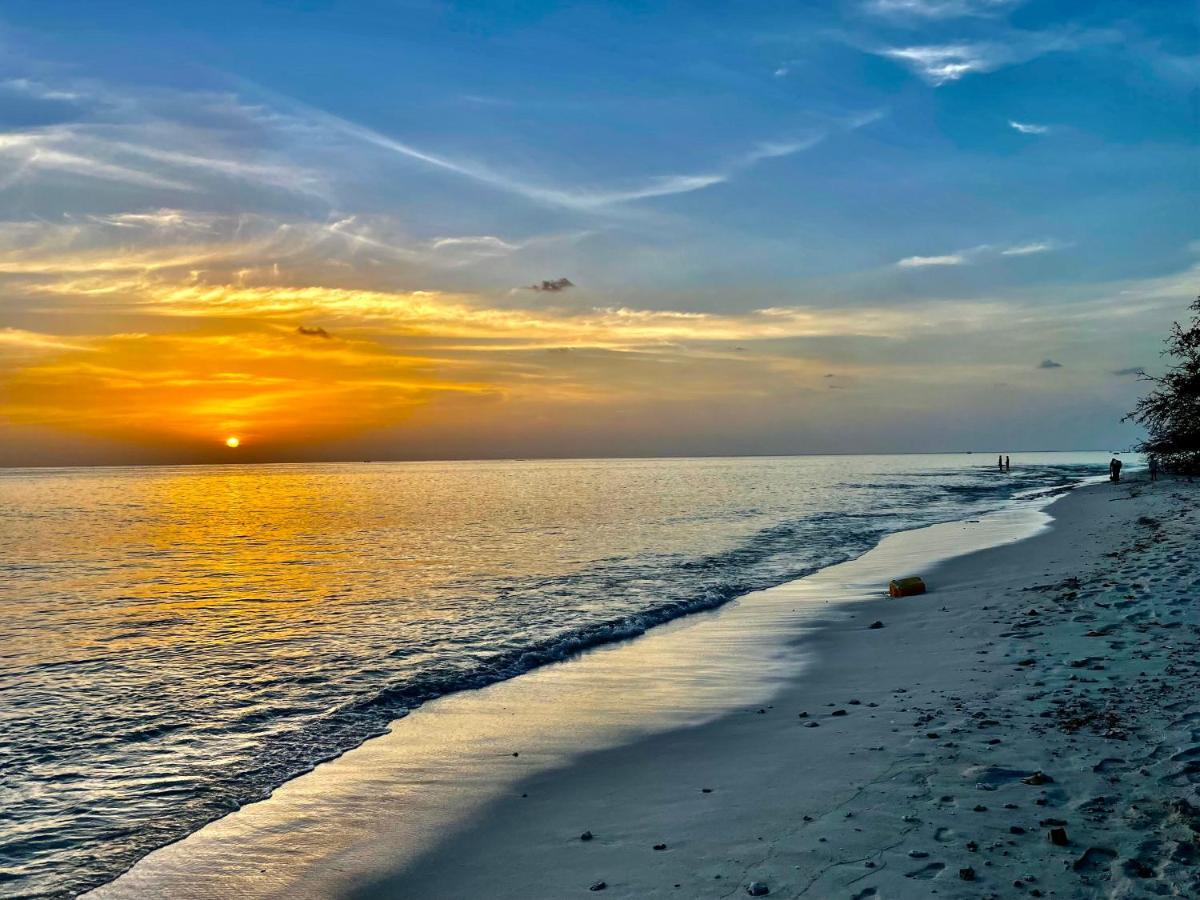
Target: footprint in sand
(945, 835)
(1188, 773)
(1184, 755)
(1094, 860)
(926, 872)
(1101, 806)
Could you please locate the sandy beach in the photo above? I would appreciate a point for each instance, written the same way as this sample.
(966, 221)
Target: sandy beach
(1029, 727)
(1024, 728)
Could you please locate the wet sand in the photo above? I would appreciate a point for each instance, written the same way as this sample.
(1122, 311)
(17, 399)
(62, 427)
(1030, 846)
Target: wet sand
(816, 756)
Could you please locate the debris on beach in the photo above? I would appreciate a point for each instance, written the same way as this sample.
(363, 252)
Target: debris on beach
(906, 587)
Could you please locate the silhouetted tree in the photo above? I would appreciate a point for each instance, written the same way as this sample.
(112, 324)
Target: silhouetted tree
(1171, 411)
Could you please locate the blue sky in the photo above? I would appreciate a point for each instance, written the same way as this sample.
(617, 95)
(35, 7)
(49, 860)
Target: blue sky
(956, 190)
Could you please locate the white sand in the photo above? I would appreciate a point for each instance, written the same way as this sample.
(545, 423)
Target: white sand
(957, 700)
(959, 721)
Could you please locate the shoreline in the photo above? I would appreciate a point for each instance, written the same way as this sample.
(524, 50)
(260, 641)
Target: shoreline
(924, 774)
(290, 843)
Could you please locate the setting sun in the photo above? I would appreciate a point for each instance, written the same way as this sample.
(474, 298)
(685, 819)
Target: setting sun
(232, 442)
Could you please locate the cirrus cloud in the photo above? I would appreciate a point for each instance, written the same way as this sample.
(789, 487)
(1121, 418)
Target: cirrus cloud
(1028, 127)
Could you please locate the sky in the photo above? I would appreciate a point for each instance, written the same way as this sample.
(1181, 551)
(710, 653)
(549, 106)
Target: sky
(426, 230)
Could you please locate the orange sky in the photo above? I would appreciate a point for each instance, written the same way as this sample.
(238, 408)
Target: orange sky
(158, 354)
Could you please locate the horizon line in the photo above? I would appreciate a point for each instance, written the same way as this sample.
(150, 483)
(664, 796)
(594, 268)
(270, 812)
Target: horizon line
(494, 459)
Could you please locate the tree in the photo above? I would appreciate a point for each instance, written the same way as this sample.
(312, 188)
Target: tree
(1171, 411)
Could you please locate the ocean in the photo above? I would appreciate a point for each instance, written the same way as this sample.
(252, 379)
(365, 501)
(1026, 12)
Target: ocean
(178, 641)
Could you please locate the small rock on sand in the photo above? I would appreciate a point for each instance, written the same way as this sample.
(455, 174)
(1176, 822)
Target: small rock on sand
(598, 886)
(757, 889)
(1058, 837)
(967, 874)
(875, 624)
(586, 836)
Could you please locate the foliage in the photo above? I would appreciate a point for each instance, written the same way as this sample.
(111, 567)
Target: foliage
(1171, 411)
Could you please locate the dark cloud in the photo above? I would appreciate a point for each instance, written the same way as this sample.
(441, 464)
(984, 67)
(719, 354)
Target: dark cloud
(553, 286)
(1049, 364)
(317, 331)
(1132, 370)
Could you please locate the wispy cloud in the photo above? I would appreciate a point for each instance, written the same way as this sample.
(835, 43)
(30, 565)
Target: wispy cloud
(777, 149)
(34, 152)
(973, 254)
(484, 243)
(148, 140)
(211, 245)
(948, 62)
(15, 340)
(1031, 248)
(917, 262)
(1029, 127)
(36, 89)
(482, 173)
(939, 9)
(940, 64)
(170, 140)
(1131, 370)
(582, 197)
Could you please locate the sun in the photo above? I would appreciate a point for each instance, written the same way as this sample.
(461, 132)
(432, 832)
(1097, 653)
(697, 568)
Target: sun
(232, 442)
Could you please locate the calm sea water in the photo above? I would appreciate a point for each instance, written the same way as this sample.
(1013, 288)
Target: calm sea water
(175, 642)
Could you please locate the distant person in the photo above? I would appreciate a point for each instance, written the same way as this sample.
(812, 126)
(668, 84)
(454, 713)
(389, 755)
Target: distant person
(1114, 470)
(1153, 468)
(1007, 465)
(1000, 463)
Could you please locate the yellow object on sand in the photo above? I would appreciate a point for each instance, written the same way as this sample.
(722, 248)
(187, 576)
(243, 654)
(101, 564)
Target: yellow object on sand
(906, 587)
